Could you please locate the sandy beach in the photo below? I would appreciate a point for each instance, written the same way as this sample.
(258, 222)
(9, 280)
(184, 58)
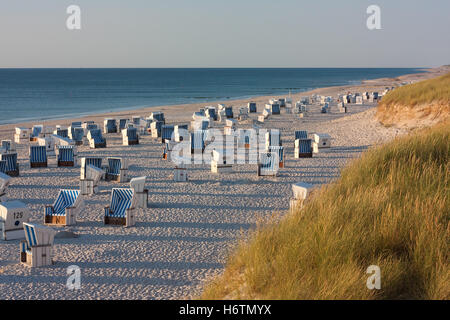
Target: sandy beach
(183, 238)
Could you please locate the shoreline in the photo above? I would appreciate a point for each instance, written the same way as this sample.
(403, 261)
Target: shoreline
(232, 101)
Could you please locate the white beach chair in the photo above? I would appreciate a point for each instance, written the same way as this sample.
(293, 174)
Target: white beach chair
(167, 132)
(96, 139)
(155, 128)
(180, 174)
(181, 132)
(92, 176)
(65, 209)
(11, 165)
(323, 140)
(36, 132)
(301, 190)
(140, 193)
(122, 208)
(273, 138)
(12, 216)
(5, 180)
(8, 146)
(130, 136)
(66, 156)
(21, 135)
(49, 145)
(268, 164)
(219, 163)
(280, 151)
(303, 148)
(36, 251)
(109, 125)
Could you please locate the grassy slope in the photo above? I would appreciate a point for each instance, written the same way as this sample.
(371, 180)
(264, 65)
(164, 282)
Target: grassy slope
(429, 98)
(390, 208)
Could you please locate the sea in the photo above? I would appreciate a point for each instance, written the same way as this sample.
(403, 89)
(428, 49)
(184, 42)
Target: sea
(44, 94)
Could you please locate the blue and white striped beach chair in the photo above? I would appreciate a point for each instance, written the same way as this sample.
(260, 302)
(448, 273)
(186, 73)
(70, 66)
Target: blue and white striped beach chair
(65, 209)
(38, 156)
(273, 138)
(275, 108)
(155, 128)
(66, 156)
(130, 136)
(36, 251)
(4, 183)
(280, 151)
(11, 166)
(158, 116)
(303, 148)
(121, 210)
(122, 124)
(77, 135)
(117, 170)
(268, 164)
(109, 126)
(211, 113)
(301, 134)
(62, 132)
(96, 139)
(89, 161)
(35, 131)
(198, 141)
(167, 131)
(2, 166)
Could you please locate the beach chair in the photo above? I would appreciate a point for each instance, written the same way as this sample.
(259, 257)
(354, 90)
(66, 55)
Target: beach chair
(88, 126)
(359, 100)
(92, 161)
(251, 107)
(219, 163)
(323, 140)
(66, 156)
(11, 165)
(36, 131)
(243, 114)
(109, 125)
(123, 124)
(268, 164)
(301, 190)
(280, 151)
(8, 146)
(4, 183)
(77, 134)
(158, 116)
(167, 132)
(229, 112)
(197, 142)
(130, 136)
(230, 127)
(301, 134)
(139, 191)
(273, 138)
(36, 251)
(61, 132)
(178, 132)
(21, 135)
(155, 128)
(275, 108)
(117, 170)
(211, 113)
(302, 148)
(122, 208)
(12, 216)
(61, 141)
(65, 209)
(96, 139)
(92, 176)
(136, 120)
(38, 156)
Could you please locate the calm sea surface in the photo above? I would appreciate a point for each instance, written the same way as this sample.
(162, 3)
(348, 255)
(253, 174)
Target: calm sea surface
(36, 94)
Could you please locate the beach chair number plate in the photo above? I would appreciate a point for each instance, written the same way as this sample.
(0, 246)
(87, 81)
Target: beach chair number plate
(18, 215)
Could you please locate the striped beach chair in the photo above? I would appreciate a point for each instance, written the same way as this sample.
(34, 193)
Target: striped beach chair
(36, 251)
(8, 146)
(229, 112)
(66, 156)
(155, 128)
(280, 151)
(275, 108)
(122, 124)
(77, 135)
(130, 136)
(11, 165)
(62, 132)
(96, 139)
(36, 131)
(198, 141)
(251, 107)
(4, 183)
(110, 125)
(303, 148)
(117, 170)
(167, 131)
(121, 210)
(301, 134)
(158, 116)
(89, 161)
(268, 164)
(38, 156)
(2, 166)
(273, 138)
(211, 113)
(89, 185)
(65, 209)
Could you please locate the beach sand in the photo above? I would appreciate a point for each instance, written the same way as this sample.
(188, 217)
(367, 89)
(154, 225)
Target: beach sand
(183, 238)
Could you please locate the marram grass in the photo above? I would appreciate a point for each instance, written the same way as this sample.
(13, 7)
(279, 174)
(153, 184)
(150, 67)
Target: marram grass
(390, 208)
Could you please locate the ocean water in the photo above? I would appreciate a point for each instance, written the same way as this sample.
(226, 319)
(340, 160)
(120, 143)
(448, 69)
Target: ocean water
(37, 94)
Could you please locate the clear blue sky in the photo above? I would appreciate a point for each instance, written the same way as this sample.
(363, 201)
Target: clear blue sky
(232, 33)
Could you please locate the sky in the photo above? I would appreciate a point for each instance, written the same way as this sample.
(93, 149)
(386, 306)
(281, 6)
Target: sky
(232, 33)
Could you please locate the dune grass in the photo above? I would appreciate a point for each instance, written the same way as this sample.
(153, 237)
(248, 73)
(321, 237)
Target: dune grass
(429, 98)
(390, 208)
